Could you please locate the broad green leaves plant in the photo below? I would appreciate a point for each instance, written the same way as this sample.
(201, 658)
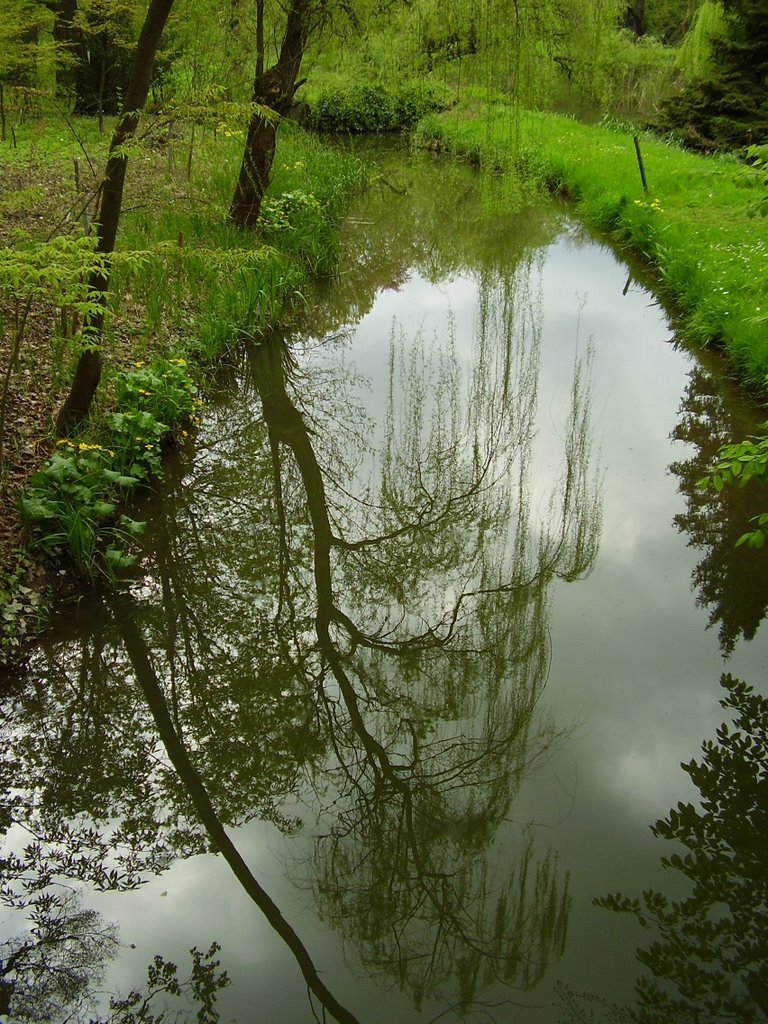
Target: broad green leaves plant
(739, 463)
(73, 503)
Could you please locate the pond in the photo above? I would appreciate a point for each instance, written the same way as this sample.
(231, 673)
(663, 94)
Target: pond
(428, 617)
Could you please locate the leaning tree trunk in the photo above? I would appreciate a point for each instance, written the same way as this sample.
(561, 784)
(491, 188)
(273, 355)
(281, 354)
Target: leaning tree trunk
(274, 90)
(88, 369)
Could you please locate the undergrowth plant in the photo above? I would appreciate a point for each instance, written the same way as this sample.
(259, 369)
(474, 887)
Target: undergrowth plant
(186, 286)
(44, 280)
(73, 504)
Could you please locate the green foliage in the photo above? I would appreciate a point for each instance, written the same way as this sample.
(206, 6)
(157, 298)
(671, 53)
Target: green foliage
(375, 107)
(633, 75)
(708, 961)
(164, 389)
(669, 20)
(755, 175)
(740, 463)
(695, 55)
(53, 276)
(73, 502)
(725, 102)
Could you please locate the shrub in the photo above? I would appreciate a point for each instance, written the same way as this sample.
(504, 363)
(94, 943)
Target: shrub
(374, 108)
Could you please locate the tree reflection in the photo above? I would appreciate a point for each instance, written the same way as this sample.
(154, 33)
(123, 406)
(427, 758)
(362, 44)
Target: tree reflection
(354, 613)
(431, 624)
(708, 957)
(732, 582)
(48, 972)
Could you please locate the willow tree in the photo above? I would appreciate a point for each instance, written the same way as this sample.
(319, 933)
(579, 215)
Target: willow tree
(89, 365)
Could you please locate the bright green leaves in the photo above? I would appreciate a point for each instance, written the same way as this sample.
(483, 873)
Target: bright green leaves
(739, 463)
(73, 503)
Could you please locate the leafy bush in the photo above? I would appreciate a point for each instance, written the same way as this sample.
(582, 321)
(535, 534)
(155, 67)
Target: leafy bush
(163, 388)
(72, 501)
(374, 108)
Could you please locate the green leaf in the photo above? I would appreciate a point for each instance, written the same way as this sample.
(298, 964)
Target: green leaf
(118, 560)
(103, 508)
(36, 508)
(133, 526)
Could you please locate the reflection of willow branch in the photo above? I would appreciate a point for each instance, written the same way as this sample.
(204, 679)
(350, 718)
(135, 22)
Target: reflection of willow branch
(412, 801)
(136, 649)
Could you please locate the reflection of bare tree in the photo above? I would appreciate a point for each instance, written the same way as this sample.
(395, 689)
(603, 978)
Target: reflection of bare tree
(207, 816)
(732, 583)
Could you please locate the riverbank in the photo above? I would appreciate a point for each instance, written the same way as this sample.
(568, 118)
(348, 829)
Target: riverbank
(185, 287)
(696, 224)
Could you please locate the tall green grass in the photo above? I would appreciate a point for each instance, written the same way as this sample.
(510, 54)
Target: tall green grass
(198, 275)
(694, 225)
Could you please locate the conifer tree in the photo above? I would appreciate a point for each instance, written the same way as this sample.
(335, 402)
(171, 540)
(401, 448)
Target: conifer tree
(729, 107)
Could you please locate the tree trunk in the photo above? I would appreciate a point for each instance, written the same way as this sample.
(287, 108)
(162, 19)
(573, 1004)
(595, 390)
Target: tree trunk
(63, 36)
(88, 370)
(273, 89)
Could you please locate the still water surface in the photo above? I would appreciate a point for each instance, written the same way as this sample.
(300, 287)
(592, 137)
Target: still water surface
(436, 610)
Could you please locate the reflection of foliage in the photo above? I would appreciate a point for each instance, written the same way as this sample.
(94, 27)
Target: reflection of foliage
(739, 463)
(436, 660)
(732, 584)
(149, 1005)
(48, 973)
(710, 957)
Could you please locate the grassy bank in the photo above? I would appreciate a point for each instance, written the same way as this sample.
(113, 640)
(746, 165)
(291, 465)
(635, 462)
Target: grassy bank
(185, 288)
(695, 225)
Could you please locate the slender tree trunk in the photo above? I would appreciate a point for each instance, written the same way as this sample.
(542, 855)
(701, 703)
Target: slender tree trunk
(273, 89)
(259, 38)
(88, 369)
(63, 36)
